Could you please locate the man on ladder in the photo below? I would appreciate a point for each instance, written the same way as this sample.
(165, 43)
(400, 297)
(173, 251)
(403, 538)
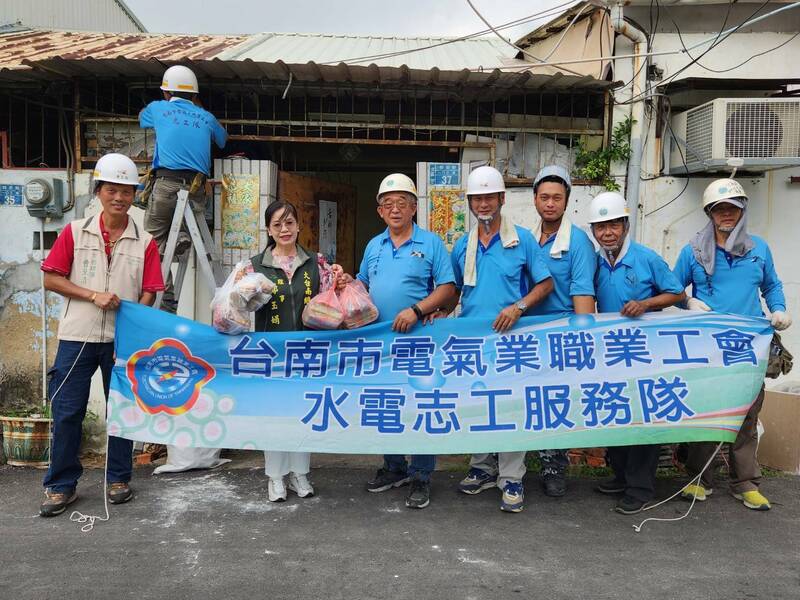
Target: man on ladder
(182, 161)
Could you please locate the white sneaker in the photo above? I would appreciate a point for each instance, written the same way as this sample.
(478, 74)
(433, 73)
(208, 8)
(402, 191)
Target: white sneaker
(300, 485)
(276, 490)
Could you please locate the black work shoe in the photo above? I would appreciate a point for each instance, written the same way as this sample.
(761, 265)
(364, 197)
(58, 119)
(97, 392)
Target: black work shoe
(554, 486)
(119, 492)
(56, 503)
(386, 480)
(628, 505)
(182, 244)
(419, 496)
(611, 486)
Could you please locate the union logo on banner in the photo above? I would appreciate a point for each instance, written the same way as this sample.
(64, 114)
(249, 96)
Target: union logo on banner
(167, 377)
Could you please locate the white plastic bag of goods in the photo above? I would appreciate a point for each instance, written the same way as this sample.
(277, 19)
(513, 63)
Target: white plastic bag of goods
(184, 459)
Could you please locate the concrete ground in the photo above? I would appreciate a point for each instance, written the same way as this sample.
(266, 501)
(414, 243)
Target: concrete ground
(212, 534)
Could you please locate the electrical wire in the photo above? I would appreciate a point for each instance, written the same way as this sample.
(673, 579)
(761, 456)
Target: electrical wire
(686, 50)
(685, 166)
(522, 20)
(489, 25)
(517, 48)
(564, 33)
(717, 41)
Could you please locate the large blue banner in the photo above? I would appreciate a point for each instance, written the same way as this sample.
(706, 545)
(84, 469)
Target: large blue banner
(452, 387)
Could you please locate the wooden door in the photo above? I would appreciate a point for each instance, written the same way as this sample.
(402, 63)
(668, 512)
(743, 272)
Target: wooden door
(305, 193)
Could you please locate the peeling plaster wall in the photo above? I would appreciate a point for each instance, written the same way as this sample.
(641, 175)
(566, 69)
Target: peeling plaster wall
(21, 338)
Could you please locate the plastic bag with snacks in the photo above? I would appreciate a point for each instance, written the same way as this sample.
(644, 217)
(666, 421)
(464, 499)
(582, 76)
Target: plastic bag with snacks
(357, 306)
(242, 293)
(324, 311)
(252, 291)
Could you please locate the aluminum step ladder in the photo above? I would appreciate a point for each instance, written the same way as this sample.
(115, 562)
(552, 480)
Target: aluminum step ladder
(202, 246)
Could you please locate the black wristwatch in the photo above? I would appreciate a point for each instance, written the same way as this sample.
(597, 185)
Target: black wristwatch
(417, 311)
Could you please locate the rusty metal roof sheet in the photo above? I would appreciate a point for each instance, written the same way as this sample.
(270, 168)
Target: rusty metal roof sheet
(18, 48)
(50, 55)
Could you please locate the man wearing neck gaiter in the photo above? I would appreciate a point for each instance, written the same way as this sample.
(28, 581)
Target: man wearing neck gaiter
(727, 268)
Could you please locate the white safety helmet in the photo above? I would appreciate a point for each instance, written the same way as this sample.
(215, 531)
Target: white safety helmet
(396, 182)
(607, 207)
(116, 168)
(553, 171)
(180, 79)
(485, 180)
(728, 190)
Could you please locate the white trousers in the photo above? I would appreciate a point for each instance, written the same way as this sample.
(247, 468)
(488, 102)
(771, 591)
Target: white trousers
(508, 466)
(280, 464)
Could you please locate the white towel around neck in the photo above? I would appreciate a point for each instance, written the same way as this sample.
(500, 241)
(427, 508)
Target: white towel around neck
(508, 237)
(563, 236)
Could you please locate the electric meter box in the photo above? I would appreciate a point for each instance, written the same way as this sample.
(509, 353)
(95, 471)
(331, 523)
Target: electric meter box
(44, 198)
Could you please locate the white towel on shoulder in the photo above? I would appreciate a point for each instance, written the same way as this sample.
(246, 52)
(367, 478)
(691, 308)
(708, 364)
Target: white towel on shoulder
(563, 235)
(508, 237)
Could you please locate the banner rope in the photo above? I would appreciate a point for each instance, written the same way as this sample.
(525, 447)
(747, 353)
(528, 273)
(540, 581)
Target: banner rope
(695, 480)
(88, 521)
(76, 516)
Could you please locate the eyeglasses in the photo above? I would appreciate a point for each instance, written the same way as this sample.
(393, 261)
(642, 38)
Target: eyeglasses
(288, 223)
(402, 204)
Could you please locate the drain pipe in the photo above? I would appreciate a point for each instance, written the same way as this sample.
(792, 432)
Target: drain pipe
(639, 40)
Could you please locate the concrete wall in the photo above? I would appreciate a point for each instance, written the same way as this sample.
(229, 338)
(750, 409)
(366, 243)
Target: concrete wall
(22, 341)
(670, 214)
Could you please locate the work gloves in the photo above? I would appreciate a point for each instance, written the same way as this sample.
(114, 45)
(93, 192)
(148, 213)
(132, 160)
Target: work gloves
(780, 320)
(695, 304)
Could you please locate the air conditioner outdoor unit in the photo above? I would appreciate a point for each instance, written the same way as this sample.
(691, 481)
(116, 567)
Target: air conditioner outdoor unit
(764, 133)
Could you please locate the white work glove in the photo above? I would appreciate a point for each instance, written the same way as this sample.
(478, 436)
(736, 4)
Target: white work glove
(695, 304)
(780, 320)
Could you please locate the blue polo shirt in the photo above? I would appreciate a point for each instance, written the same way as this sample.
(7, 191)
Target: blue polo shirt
(573, 274)
(734, 286)
(400, 277)
(183, 134)
(640, 274)
(505, 275)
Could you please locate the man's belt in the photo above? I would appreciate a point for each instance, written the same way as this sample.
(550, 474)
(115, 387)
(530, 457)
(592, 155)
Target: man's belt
(185, 176)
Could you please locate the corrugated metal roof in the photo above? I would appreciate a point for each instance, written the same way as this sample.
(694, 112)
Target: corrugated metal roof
(446, 54)
(382, 64)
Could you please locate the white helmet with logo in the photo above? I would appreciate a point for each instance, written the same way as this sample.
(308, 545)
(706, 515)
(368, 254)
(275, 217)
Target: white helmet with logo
(485, 180)
(116, 168)
(729, 190)
(607, 207)
(397, 182)
(180, 79)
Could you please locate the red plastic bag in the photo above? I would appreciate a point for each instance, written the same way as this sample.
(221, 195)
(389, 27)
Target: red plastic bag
(357, 306)
(324, 311)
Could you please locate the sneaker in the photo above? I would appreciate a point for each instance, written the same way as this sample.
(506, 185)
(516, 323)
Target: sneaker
(513, 497)
(276, 490)
(628, 505)
(419, 496)
(611, 486)
(476, 481)
(554, 486)
(386, 480)
(300, 485)
(56, 503)
(696, 492)
(754, 500)
(119, 492)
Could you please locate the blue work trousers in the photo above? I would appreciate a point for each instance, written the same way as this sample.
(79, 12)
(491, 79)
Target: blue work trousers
(69, 408)
(421, 467)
